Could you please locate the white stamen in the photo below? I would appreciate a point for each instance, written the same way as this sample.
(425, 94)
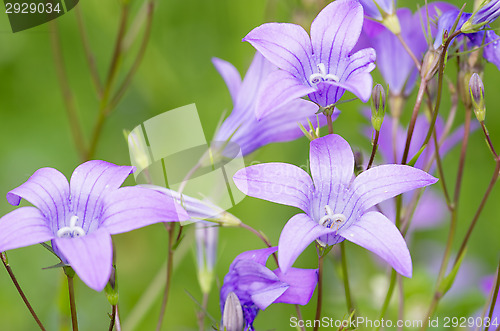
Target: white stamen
(72, 230)
(331, 219)
(322, 76)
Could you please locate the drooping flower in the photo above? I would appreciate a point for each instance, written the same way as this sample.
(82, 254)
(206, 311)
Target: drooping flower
(335, 204)
(393, 61)
(242, 128)
(322, 66)
(80, 217)
(257, 287)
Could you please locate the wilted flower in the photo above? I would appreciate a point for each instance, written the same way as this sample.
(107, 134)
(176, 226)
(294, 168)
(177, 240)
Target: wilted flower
(242, 127)
(321, 66)
(257, 287)
(336, 205)
(79, 217)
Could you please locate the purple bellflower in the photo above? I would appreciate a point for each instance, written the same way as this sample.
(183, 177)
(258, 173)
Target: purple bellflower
(394, 63)
(371, 10)
(490, 40)
(80, 217)
(335, 203)
(487, 13)
(322, 66)
(242, 127)
(257, 287)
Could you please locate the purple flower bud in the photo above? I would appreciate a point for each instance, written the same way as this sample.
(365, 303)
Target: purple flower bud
(206, 250)
(378, 106)
(476, 89)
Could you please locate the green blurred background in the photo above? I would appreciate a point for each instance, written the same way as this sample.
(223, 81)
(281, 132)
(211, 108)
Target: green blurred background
(176, 71)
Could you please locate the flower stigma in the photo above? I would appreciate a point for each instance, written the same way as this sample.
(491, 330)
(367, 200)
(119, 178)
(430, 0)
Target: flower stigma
(331, 219)
(322, 76)
(72, 230)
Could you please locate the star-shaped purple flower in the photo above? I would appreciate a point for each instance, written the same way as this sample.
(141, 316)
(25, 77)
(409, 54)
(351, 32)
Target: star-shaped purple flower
(322, 66)
(335, 203)
(257, 287)
(242, 128)
(80, 217)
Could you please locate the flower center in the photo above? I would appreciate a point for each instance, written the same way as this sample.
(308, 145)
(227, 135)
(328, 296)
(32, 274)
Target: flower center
(331, 220)
(322, 76)
(72, 230)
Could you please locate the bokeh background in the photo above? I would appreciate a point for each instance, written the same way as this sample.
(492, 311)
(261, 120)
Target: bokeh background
(177, 71)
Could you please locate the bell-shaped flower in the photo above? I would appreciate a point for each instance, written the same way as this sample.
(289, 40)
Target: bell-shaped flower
(336, 204)
(257, 287)
(393, 61)
(79, 217)
(322, 66)
(242, 128)
(484, 37)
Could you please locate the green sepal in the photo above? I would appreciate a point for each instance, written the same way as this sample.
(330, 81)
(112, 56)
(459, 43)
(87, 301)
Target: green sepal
(447, 282)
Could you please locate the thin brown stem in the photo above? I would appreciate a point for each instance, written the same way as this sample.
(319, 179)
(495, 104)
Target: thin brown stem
(374, 149)
(495, 290)
(201, 314)
(89, 55)
(463, 153)
(488, 139)
(330, 124)
(319, 302)
(299, 317)
(414, 115)
(19, 290)
(113, 318)
(67, 94)
(409, 51)
(170, 258)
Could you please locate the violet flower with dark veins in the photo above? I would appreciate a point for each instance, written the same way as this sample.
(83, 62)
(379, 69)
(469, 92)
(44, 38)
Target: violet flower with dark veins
(80, 217)
(257, 287)
(322, 66)
(242, 128)
(335, 203)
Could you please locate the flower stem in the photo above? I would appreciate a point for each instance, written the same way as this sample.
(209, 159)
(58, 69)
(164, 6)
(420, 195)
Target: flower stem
(345, 276)
(330, 123)
(170, 258)
(201, 314)
(488, 139)
(72, 304)
(495, 295)
(411, 127)
(409, 51)
(67, 93)
(319, 302)
(113, 318)
(19, 290)
(374, 149)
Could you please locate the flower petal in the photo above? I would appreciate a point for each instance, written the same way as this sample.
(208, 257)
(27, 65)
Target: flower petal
(259, 255)
(130, 208)
(360, 85)
(276, 182)
(386, 181)
(89, 183)
(230, 75)
(376, 233)
(335, 31)
(90, 256)
(297, 234)
(22, 227)
(279, 89)
(302, 284)
(48, 190)
(286, 45)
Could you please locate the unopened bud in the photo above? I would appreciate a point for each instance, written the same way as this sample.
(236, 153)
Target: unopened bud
(476, 89)
(232, 318)
(430, 63)
(111, 288)
(378, 106)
